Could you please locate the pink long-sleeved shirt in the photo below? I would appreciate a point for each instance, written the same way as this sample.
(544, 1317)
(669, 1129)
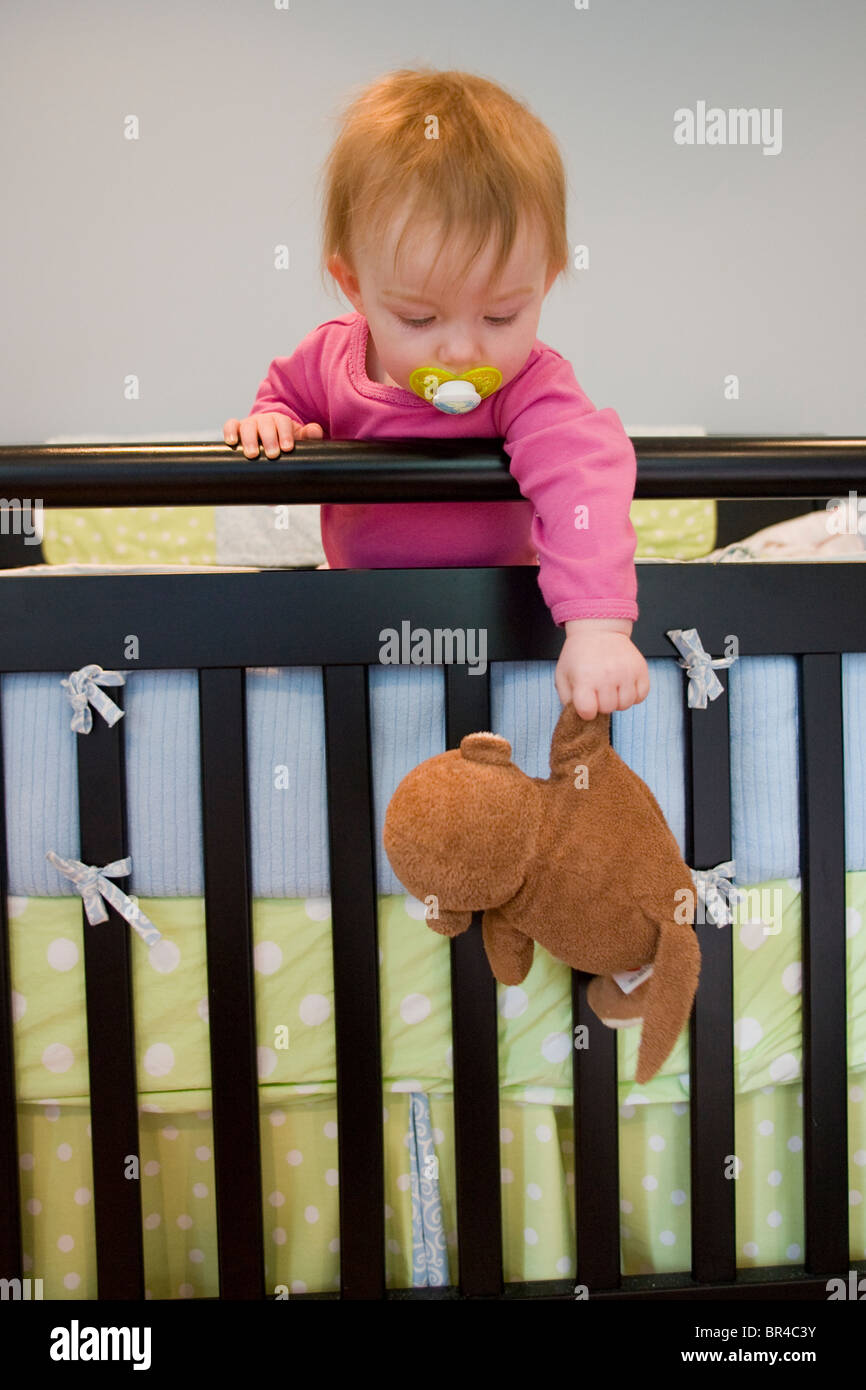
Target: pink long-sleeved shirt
(565, 456)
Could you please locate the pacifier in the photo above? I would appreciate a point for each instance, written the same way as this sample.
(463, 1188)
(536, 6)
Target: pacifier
(455, 394)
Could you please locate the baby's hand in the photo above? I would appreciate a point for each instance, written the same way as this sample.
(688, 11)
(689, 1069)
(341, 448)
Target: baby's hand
(277, 432)
(599, 669)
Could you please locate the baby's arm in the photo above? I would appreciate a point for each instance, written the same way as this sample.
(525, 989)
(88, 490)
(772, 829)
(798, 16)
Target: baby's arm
(577, 466)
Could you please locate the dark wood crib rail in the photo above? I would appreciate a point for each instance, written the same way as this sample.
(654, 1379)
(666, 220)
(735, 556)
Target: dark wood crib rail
(222, 624)
(757, 479)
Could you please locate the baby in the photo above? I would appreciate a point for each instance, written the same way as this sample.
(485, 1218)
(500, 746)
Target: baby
(444, 226)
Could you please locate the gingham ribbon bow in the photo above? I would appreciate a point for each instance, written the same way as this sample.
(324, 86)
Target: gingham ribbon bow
(82, 691)
(93, 884)
(716, 891)
(703, 681)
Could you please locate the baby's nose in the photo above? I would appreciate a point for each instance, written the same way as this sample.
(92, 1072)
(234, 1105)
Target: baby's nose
(460, 355)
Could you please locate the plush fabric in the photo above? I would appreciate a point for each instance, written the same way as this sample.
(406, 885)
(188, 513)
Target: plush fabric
(583, 863)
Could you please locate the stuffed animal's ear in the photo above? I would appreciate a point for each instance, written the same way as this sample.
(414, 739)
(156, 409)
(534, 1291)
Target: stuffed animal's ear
(576, 740)
(486, 748)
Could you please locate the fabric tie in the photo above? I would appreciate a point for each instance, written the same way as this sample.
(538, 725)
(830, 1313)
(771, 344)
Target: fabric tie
(93, 884)
(82, 691)
(716, 891)
(703, 682)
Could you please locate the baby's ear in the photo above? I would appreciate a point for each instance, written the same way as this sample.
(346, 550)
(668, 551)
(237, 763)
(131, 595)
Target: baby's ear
(486, 748)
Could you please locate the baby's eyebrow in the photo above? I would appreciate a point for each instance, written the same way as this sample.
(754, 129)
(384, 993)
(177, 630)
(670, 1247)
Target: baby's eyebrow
(497, 299)
(512, 294)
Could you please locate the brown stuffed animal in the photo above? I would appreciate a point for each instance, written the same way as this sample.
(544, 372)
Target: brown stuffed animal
(584, 863)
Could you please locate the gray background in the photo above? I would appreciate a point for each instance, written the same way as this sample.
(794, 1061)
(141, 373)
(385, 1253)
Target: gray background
(155, 256)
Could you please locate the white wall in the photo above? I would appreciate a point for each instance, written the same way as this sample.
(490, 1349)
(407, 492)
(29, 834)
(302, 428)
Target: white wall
(155, 257)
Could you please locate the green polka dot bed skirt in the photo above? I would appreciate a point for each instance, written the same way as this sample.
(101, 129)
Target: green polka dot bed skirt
(298, 1105)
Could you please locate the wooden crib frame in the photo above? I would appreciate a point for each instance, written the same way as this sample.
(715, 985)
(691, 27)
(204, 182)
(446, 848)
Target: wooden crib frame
(221, 624)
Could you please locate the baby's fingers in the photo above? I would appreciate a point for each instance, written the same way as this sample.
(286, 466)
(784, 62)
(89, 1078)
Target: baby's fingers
(249, 436)
(585, 701)
(278, 433)
(607, 698)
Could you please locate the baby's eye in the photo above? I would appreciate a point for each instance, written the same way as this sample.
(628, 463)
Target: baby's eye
(425, 323)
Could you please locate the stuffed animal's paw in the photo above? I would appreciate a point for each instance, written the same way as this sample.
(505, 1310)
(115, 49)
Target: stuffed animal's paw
(447, 922)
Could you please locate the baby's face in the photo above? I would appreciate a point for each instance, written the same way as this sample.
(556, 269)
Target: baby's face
(441, 324)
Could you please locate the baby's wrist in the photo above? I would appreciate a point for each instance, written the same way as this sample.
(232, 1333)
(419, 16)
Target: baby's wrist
(623, 625)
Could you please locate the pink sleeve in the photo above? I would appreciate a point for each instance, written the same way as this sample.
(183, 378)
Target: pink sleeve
(286, 388)
(577, 466)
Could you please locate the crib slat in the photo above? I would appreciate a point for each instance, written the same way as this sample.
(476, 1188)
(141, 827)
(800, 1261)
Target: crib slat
(110, 1022)
(475, 1049)
(10, 1197)
(596, 1142)
(596, 1146)
(231, 991)
(822, 862)
(708, 842)
(355, 938)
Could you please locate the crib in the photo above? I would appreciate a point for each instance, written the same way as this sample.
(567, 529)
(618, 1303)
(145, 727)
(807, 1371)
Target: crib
(222, 628)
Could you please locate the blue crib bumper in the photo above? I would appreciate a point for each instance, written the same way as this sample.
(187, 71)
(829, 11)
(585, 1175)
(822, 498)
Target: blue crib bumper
(287, 785)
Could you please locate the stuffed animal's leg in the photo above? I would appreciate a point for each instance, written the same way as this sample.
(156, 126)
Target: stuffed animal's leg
(613, 1006)
(509, 952)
